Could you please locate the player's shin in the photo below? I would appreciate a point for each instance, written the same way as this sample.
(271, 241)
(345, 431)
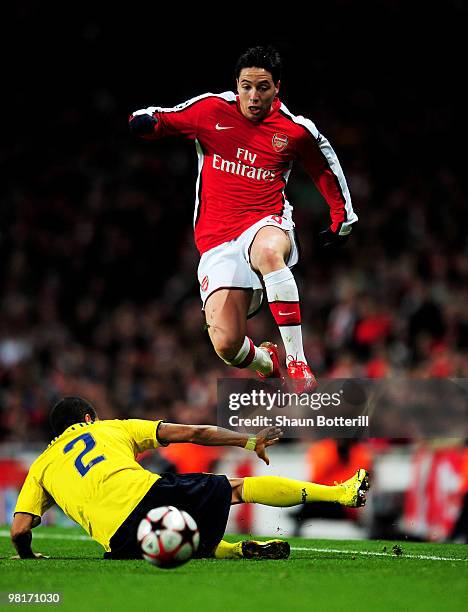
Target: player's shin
(283, 299)
(251, 357)
(284, 492)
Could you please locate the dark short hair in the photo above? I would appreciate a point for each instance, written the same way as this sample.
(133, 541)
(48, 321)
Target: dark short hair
(68, 411)
(260, 57)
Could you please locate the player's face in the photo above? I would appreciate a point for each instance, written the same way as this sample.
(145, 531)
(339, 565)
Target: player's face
(256, 91)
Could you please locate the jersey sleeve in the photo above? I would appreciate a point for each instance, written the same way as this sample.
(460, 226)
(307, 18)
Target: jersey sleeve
(321, 163)
(144, 434)
(33, 498)
(181, 120)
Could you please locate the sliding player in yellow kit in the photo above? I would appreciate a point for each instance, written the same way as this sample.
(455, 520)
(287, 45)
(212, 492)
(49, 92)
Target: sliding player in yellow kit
(90, 471)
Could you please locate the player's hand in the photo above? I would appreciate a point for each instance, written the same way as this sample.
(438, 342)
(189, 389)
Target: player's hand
(142, 125)
(267, 437)
(330, 239)
(36, 555)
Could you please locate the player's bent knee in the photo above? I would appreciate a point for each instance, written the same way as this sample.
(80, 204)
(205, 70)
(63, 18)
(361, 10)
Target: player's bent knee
(237, 485)
(269, 259)
(225, 347)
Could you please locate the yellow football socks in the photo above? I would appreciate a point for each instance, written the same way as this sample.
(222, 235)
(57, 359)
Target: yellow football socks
(284, 492)
(225, 550)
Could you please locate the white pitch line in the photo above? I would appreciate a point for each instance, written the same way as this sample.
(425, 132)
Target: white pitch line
(341, 551)
(371, 553)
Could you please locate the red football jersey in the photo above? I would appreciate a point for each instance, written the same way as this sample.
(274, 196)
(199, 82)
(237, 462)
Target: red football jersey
(243, 167)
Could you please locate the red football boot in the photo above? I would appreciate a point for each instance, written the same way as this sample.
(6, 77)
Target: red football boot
(272, 349)
(300, 371)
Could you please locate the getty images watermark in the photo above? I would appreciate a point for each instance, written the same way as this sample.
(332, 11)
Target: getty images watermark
(347, 408)
(271, 400)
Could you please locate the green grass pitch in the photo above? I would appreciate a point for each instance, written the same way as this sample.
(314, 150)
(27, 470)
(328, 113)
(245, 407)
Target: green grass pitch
(320, 575)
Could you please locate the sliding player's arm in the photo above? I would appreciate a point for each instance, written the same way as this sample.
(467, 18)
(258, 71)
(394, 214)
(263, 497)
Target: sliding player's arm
(21, 535)
(32, 502)
(210, 435)
(157, 122)
(321, 163)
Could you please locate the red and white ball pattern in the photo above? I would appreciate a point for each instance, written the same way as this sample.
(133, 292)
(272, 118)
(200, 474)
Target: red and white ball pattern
(168, 537)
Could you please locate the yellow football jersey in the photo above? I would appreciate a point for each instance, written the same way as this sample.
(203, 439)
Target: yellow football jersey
(91, 473)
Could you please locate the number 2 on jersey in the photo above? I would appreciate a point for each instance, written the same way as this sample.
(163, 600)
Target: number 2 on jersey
(90, 443)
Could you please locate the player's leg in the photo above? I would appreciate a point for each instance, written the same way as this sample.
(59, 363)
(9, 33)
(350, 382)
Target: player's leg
(249, 549)
(284, 492)
(269, 253)
(226, 318)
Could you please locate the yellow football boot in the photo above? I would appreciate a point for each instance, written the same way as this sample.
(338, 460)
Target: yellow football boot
(271, 549)
(355, 489)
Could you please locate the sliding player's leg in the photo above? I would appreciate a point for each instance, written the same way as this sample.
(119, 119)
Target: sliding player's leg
(226, 318)
(284, 492)
(269, 253)
(249, 549)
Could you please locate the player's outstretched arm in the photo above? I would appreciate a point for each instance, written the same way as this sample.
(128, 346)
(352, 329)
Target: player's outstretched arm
(210, 435)
(21, 535)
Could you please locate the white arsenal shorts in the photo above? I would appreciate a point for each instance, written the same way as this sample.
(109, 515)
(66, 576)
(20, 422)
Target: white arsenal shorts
(227, 266)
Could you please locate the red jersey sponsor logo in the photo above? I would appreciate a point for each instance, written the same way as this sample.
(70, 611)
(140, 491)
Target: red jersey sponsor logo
(204, 283)
(279, 142)
(238, 167)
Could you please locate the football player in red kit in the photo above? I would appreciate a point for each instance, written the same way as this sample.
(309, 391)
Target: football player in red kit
(246, 145)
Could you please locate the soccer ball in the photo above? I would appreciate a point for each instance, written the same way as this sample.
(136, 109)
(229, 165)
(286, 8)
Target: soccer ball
(168, 537)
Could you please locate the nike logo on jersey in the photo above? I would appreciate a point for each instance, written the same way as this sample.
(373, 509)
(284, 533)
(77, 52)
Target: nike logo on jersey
(220, 127)
(285, 314)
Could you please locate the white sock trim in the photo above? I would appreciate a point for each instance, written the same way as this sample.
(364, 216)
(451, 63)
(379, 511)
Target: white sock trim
(241, 355)
(281, 286)
(278, 276)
